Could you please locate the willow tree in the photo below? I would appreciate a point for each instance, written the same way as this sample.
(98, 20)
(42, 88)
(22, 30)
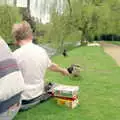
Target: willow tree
(109, 22)
(78, 17)
(7, 19)
(89, 17)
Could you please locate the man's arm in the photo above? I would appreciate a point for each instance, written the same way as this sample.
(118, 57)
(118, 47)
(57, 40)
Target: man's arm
(56, 68)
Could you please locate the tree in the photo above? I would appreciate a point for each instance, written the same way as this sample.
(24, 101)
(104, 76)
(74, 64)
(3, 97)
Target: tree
(7, 19)
(82, 18)
(61, 28)
(89, 17)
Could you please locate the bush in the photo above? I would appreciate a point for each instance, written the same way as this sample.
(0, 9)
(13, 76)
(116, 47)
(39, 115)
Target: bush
(8, 16)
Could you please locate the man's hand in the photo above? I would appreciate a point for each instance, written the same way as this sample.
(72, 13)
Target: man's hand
(56, 68)
(65, 72)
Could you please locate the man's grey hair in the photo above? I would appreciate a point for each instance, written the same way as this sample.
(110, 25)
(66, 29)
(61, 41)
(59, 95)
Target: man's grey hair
(21, 30)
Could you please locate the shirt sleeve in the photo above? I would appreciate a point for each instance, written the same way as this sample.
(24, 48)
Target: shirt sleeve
(49, 62)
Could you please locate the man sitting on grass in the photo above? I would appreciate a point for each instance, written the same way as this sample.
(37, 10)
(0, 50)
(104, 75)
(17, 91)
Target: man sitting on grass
(33, 62)
(11, 83)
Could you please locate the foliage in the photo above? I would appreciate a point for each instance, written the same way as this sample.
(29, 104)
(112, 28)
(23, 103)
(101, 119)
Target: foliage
(109, 20)
(90, 17)
(8, 16)
(61, 29)
(42, 33)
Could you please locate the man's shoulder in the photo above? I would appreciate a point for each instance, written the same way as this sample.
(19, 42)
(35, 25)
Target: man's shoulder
(17, 52)
(33, 48)
(40, 48)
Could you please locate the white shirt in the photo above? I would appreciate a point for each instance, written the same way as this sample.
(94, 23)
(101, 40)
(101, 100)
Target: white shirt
(33, 62)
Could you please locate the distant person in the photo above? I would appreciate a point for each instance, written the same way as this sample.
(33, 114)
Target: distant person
(33, 61)
(11, 83)
(65, 53)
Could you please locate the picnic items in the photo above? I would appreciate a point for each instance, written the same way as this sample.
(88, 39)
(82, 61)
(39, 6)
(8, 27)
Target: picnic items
(66, 91)
(67, 102)
(66, 95)
(74, 70)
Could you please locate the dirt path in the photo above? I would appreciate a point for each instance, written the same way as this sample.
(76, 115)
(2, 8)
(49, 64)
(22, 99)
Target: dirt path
(112, 50)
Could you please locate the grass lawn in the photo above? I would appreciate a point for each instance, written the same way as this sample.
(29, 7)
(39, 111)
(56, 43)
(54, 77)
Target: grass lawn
(114, 42)
(99, 94)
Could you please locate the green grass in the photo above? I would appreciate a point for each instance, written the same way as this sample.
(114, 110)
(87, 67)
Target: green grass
(114, 42)
(99, 94)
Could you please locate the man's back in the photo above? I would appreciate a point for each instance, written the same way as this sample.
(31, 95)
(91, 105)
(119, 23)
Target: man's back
(33, 62)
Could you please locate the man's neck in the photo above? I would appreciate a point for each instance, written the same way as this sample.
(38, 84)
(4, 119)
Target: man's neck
(25, 42)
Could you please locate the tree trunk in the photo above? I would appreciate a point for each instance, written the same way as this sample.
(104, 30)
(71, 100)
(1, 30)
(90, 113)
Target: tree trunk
(112, 38)
(15, 2)
(28, 5)
(70, 7)
(61, 44)
(84, 39)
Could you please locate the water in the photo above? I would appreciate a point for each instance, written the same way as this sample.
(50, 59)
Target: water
(40, 9)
